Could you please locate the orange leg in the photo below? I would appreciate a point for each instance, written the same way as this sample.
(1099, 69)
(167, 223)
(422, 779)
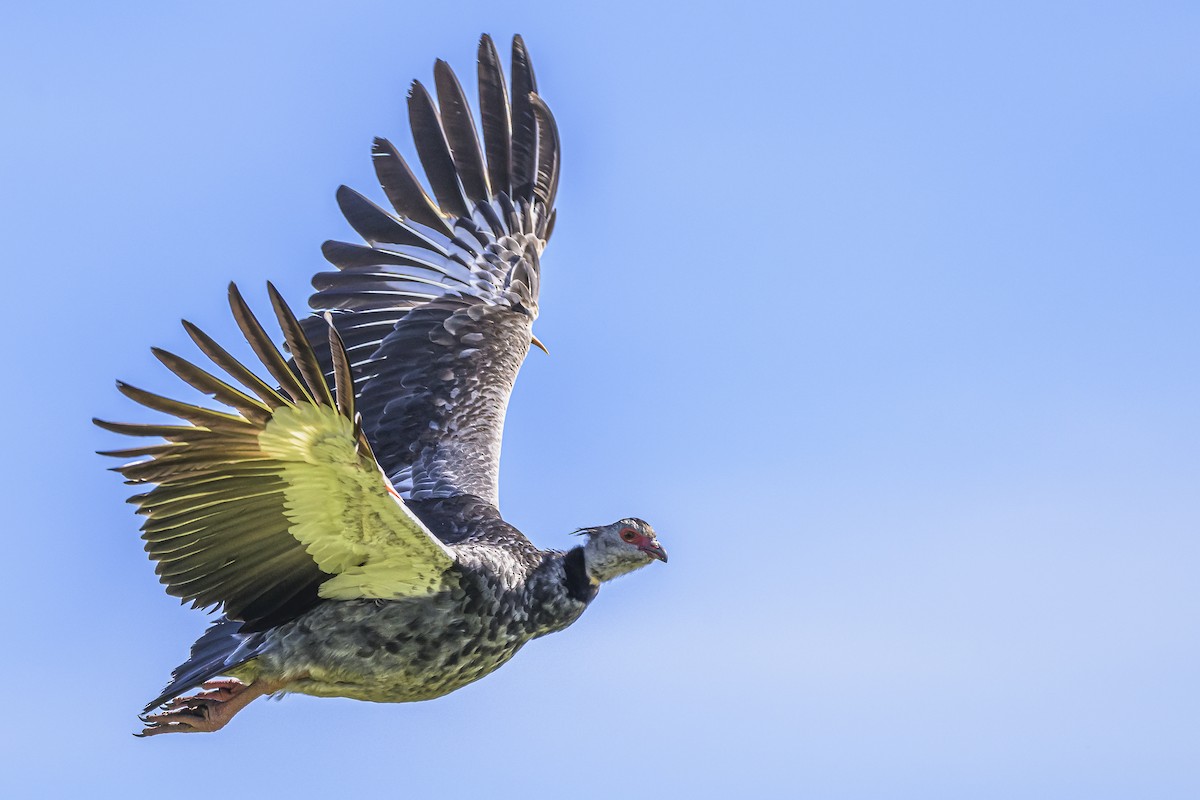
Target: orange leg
(208, 711)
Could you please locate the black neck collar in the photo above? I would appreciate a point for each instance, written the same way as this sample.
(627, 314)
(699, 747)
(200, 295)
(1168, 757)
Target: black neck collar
(578, 585)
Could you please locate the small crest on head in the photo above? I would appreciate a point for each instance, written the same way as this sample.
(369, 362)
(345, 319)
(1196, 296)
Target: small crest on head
(621, 547)
(586, 531)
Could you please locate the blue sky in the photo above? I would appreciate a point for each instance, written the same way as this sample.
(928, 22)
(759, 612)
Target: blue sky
(885, 315)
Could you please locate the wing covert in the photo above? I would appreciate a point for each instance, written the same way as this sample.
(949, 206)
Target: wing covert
(268, 509)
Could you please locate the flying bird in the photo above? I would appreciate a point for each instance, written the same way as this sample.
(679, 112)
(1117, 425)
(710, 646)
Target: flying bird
(342, 511)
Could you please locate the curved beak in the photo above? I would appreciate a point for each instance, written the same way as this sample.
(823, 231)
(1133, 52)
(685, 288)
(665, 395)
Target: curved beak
(538, 344)
(654, 551)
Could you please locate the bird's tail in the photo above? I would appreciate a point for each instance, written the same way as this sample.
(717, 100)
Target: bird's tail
(220, 649)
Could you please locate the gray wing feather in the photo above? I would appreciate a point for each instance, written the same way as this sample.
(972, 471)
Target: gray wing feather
(436, 309)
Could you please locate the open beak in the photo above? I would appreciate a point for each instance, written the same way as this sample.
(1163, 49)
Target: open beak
(538, 344)
(654, 551)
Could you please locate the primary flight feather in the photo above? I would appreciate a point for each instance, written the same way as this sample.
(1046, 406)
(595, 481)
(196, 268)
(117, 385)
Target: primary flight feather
(342, 514)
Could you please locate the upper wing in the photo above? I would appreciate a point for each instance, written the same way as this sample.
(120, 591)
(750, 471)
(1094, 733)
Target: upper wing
(437, 308)
(268, 509)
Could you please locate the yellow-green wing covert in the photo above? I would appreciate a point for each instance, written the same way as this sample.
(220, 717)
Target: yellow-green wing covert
(266, 510)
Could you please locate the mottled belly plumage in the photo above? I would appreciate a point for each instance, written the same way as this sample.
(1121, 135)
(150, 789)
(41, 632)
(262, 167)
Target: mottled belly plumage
(392, 651)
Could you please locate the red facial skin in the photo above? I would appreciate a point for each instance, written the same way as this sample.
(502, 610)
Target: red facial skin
(644, 543)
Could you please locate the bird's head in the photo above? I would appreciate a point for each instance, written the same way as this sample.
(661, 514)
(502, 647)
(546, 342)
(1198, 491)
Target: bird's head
(612, 550)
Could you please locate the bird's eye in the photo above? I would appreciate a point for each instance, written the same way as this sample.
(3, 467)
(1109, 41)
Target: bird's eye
(629, 534)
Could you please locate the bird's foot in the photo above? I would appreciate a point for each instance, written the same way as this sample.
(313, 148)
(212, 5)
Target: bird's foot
(207, 711)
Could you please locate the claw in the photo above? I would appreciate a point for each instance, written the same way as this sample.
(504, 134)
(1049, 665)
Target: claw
(207, 711)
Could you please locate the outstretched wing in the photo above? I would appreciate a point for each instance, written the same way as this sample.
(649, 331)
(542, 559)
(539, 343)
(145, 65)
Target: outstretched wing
(268, 509)
(437, 308)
